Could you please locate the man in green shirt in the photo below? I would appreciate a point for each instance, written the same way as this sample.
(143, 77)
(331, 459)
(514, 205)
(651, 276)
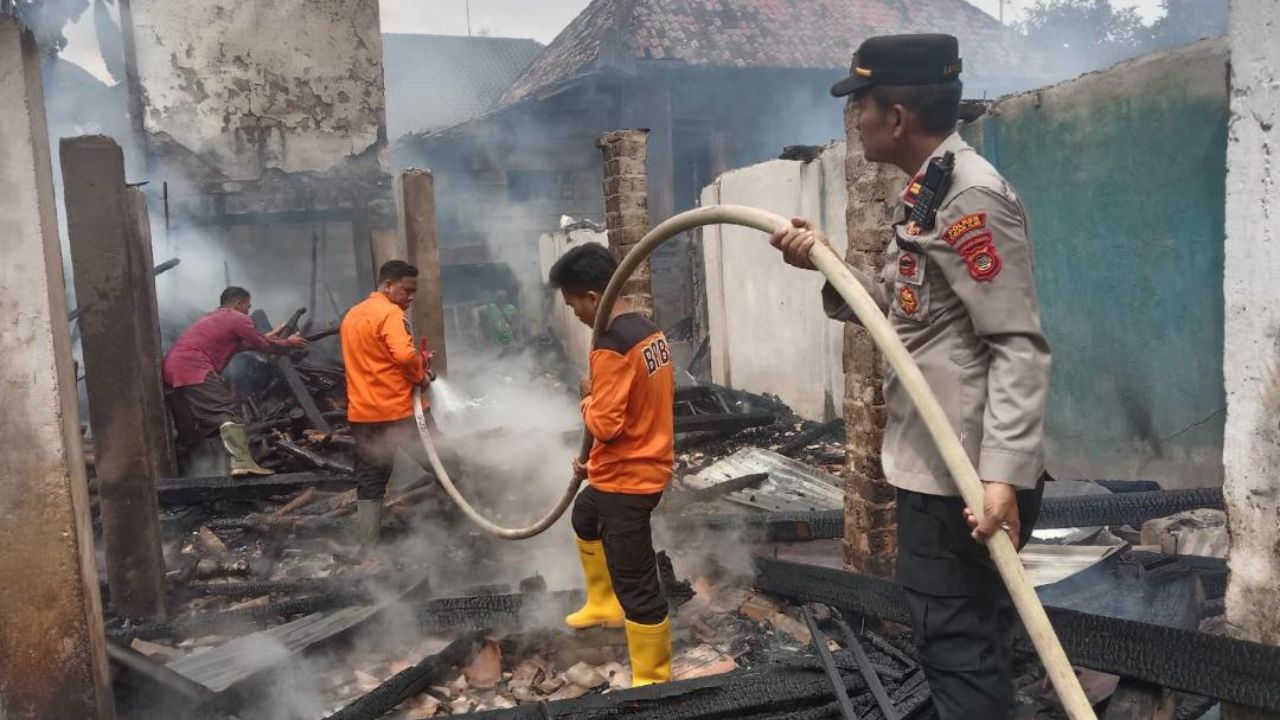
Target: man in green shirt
(500, 317)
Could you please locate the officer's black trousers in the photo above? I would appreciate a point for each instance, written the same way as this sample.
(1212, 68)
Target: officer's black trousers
(621, 521)
(960, 611)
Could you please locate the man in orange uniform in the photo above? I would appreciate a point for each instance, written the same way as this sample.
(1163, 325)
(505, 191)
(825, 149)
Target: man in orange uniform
(383, 367)
(627, 406)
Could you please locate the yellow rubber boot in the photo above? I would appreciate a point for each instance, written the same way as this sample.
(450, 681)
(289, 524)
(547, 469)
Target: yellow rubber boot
(650, 649)
(602, 606)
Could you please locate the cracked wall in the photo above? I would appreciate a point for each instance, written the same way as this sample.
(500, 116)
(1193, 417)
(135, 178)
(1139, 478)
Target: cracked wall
(248, 87)
(1122, 174)
(1251, 454)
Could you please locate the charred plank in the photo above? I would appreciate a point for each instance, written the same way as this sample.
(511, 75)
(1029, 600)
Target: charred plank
(411, 681)
(174, 492)
(1213, 666)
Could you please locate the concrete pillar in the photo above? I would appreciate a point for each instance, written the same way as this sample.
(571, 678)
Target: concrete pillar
(870, 517)
(1251, 370)
(53, 661)
(626, 205)
(119, 333)
(418, 188)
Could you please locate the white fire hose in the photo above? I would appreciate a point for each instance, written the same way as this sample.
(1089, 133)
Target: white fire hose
(1001, 547)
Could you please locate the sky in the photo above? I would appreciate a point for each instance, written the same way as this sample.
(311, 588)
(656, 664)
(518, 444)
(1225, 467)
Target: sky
(541, 20)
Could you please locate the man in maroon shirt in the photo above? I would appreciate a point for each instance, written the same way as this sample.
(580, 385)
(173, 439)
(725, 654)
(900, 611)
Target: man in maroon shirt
(201, 399)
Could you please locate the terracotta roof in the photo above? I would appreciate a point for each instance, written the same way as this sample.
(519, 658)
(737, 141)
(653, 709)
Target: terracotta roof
(436, 81)
(818, 34)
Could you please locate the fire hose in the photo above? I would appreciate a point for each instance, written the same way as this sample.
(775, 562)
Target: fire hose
(1003, 552)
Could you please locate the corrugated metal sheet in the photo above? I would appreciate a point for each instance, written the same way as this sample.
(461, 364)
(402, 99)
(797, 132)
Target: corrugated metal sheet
(792, 486)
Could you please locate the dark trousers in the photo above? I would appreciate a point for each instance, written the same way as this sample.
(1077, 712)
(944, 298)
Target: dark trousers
(622, 522)
(376, 445)
(961, 613)
(199, 410)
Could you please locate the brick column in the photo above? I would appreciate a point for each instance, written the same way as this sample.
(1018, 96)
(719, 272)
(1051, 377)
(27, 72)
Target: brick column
(423, 241)
(120, 337)
(53, 658)
(626, 205)
(870, 522)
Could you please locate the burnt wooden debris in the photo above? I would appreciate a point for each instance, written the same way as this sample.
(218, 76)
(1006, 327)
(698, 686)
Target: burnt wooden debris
(1208, 665)
(174, 492)
(411, 681)
(868, 671)
(1131, 508)
(294, 380)
(847, 710)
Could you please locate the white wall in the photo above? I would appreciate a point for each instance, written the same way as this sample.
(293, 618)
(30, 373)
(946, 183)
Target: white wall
(768, 331)
(1251, 371)
(572, 334)
(289, 84)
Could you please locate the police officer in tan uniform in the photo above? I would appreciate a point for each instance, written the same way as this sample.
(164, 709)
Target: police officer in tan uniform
(958, 288)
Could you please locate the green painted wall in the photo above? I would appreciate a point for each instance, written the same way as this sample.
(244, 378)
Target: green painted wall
(1123, 177)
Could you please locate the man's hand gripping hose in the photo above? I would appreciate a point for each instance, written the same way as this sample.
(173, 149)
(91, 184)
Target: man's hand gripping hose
(825, 260)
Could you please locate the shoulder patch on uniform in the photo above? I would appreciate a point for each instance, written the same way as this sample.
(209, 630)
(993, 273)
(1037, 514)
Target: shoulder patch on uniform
(908, 300)
(981, 257)
(964, 226)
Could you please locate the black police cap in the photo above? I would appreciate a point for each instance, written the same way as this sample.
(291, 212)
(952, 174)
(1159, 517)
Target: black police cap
(902, 60)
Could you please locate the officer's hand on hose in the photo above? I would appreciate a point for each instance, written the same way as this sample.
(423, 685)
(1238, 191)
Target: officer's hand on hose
(796, 241)
(999, 511)
(579, 470)
(584, 387)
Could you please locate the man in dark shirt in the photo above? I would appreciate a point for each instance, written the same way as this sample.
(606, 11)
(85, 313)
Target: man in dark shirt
(201, 399)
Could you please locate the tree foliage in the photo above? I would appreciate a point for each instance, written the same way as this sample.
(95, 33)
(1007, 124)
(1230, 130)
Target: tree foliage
(1076, 36)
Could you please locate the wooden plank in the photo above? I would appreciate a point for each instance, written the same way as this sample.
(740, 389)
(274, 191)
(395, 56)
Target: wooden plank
(294, 380)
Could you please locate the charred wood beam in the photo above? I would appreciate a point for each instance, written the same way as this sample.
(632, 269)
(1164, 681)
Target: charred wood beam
(771, 691)
(486, 612)
(798, 443)
(1213, 666)
(1132, 508)
(200, 490)
(868, 672)
(847, 710)
(1129, 486)
(313, 337)
(722, 421)
(294, 380)
(1211, 571)
(411, 681)
(314, 458)
(210, 623)
(340, 585)
(770, 527)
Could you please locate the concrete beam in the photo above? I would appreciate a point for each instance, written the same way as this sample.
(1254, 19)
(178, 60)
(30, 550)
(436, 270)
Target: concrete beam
(120, 332)
(53, 661)
(418, 189)
(1251, 440)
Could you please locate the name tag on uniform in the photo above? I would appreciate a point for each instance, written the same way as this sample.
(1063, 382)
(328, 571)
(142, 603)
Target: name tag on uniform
(911, 267)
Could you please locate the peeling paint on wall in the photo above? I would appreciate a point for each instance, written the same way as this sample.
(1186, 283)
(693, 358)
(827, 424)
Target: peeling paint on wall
(294, 85)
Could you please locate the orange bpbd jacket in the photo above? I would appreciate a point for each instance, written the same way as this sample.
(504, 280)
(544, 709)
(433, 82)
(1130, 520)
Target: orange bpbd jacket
(382, 364)
(629, 411)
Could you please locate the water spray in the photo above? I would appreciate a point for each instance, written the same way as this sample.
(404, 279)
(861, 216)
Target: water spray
(1003, 553)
